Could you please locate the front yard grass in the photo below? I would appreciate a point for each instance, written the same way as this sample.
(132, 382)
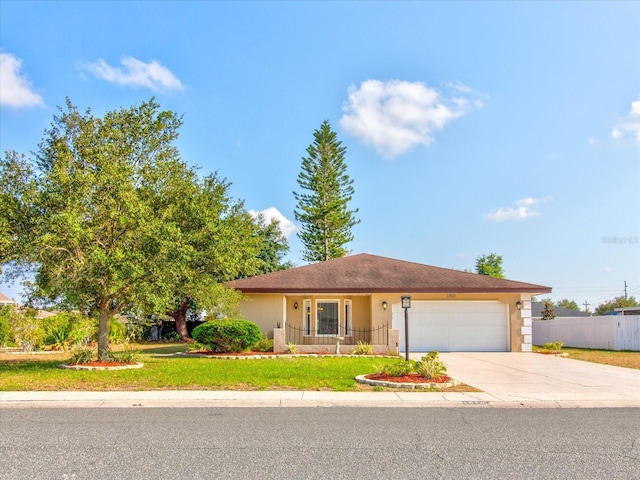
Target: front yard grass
(608, 357)
(625, 358)
(42, 372)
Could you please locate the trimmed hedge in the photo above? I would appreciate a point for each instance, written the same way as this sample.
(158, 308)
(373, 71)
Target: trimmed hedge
(227, 335)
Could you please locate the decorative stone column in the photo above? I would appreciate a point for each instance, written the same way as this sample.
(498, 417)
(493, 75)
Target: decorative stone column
(526, 329)
(279, 343)
(394, 341)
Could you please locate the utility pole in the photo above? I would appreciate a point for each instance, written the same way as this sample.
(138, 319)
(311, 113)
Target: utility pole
(586, 306)
(625, 290)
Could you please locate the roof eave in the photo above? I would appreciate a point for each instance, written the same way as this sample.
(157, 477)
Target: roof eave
(291, 291)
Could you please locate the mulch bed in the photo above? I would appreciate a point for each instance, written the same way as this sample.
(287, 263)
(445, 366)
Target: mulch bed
(411, 378)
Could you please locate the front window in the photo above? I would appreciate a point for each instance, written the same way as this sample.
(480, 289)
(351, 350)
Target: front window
(306, 320)
(327, 319)
(347, 318)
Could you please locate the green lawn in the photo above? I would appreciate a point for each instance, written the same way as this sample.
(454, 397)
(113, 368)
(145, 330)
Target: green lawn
(608, 357)
(42, 372)
(165, 372)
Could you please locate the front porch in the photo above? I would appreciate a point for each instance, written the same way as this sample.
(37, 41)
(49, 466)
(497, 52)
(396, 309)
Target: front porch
(339, 339)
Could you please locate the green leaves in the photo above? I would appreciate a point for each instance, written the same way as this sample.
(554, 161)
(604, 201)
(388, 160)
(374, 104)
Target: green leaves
(110, 219)
(326, 220)
(490, 265)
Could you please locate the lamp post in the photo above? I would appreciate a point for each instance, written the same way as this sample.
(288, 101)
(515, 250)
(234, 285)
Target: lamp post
(406, 304)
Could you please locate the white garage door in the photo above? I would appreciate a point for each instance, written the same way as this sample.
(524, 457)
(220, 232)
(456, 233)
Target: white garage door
(455, 326)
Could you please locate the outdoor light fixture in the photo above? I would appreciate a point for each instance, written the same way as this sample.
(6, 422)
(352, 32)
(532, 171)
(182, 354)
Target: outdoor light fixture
(519, 305)
(406, 301)
(406, 304)
(295, 305)
(384, 304)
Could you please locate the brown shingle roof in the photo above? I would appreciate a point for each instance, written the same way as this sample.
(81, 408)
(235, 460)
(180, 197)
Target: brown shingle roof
(365, 273)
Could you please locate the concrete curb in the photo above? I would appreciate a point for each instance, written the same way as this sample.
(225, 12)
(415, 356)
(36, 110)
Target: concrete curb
(221, 399)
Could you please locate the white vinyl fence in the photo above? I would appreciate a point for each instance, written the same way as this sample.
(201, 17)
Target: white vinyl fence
(608, 332)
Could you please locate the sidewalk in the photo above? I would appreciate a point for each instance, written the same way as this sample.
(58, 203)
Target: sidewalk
(198, 399)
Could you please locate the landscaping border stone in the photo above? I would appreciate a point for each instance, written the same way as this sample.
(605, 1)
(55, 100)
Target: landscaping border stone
(276, 355)
(91, 367)
(407, 385)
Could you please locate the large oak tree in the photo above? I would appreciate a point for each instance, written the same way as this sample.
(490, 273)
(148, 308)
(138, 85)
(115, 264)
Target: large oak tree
(108, 218)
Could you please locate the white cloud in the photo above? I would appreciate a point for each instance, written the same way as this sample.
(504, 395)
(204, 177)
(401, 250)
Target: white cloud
(629, 124)
(397, 115)
(15, 88)
(287, 227)
(520, 210)
(152, 75)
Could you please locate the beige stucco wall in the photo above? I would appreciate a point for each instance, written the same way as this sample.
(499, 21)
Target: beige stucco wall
(267, 310)
(264, 309)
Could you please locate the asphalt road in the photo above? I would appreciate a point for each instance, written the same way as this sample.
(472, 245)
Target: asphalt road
(319, 443)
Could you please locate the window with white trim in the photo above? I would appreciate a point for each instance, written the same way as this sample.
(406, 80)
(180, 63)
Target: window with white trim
(306, 319)
(347, 318)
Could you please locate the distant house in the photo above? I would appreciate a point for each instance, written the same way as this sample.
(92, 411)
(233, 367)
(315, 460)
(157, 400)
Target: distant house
(538, 307)
(627, 311)
(4, 300)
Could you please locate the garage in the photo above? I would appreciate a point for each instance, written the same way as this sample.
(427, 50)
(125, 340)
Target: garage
(454, 326)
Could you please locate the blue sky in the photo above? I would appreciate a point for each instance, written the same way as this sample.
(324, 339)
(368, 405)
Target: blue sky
(470, 127)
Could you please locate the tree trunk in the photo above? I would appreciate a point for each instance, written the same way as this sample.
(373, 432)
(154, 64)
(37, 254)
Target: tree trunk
(180, 316)
(103, 332)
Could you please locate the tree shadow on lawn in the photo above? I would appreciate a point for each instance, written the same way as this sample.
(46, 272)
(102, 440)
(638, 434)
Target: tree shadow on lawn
(162, 349)
(28, 365)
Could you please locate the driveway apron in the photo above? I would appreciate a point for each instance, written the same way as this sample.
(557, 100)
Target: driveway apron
(514, 376)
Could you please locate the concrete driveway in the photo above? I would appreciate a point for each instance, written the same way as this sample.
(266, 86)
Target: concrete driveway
(529, 376)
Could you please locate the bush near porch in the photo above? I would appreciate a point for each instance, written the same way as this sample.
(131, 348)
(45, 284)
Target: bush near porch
(227, 335)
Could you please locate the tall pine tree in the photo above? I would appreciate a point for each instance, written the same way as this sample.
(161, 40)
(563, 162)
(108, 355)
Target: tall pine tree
(322, 210)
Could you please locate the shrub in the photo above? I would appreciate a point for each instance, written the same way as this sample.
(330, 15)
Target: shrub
(553, 346)
(117, 331)
(431, 366)
(56, 332)
(127, 355)
(66, 329)
(26, 330)
(80, 355)
(292, 348)
(362, 348)
(264, 345)
(4, 328)
(227, 335)
(398, 368)
(171, 337)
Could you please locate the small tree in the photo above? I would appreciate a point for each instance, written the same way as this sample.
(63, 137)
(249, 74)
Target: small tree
(490, 265)
(547, 311)
(323, 211)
